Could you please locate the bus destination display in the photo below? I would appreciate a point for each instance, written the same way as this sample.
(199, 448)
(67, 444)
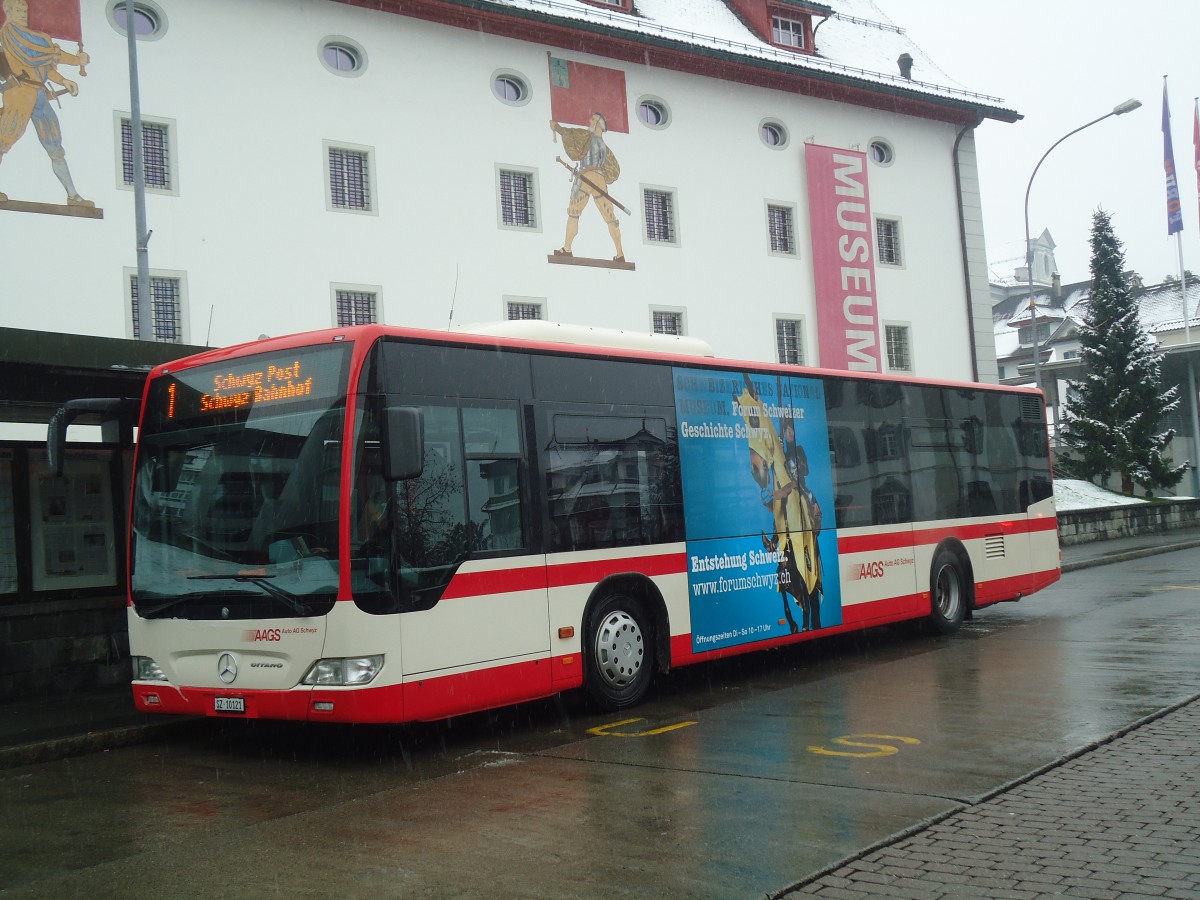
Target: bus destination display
(264, 381)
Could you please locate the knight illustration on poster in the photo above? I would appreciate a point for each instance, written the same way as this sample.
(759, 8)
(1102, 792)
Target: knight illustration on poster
(757, 489)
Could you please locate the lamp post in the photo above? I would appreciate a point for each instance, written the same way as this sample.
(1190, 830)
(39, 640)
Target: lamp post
(1119, 110)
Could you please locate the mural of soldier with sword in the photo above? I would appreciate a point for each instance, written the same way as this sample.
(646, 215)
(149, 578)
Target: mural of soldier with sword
(29, 63)
(595, 170)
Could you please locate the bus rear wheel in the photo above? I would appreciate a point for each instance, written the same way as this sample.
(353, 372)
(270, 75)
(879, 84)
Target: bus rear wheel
(619, 654)
(947, 592)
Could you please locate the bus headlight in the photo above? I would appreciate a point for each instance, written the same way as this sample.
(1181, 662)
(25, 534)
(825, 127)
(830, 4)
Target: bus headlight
(351, 670)
(146, 669)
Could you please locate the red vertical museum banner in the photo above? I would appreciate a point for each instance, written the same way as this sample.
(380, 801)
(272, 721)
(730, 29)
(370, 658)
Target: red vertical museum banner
(839, 211)
(57, 18)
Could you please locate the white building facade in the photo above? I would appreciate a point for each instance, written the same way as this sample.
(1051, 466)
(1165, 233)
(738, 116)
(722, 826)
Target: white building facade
(312, 162)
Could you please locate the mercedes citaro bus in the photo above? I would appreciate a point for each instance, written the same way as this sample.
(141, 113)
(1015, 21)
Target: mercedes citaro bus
(380, 524)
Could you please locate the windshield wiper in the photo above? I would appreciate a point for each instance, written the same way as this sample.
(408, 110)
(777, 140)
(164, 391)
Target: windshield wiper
(259, 581)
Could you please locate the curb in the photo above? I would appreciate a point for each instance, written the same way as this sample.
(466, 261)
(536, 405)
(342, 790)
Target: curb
(50, 749)
(1125, 556)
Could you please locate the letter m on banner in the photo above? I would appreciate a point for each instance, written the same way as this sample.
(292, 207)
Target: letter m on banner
(57, 18)
(839, 210)
(577, 90)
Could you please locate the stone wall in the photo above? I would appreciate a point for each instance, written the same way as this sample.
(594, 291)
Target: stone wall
(57, 646)
(1083, 525)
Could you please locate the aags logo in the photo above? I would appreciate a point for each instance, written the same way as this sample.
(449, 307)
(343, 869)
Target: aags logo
(867, 570)
(261, 634)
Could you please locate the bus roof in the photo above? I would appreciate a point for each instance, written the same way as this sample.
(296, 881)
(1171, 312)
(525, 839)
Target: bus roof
(550, 337)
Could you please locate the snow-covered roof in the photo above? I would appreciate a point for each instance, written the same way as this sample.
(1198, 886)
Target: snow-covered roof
(858, 43)
(1160, 309)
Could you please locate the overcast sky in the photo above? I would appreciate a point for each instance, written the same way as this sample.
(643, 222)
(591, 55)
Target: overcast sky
(1062, 63)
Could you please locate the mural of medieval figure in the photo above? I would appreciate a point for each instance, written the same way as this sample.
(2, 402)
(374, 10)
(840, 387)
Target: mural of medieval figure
(29, 62)
(595, 170)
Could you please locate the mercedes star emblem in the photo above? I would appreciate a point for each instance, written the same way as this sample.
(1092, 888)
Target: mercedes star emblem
(227, 668)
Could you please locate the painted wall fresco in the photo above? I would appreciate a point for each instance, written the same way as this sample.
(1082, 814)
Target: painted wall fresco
(592, 97)
(31, 84)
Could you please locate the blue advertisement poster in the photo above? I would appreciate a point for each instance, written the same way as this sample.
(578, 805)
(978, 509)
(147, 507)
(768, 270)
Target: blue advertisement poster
(754, 451)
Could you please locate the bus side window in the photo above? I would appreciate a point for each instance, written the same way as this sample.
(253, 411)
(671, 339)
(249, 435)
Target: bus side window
(612, 481)
(492, 441)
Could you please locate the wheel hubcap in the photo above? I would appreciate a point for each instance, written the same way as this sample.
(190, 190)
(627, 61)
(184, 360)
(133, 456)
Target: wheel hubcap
(949, 592)
(620, 649)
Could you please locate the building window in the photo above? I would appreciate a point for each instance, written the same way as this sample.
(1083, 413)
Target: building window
(522, 310)
(887, 237)
(349, 178)
(166, 309)
(157, 155)
(659, 207)
(518, 201)
(789, 343)
(773, 134)
(781, 229)
(355, 308)
(511, 88)
(899, 351)
(881, 152)
(342, 56)
(653, 113)
(149, 21)
(787, 32)
(1025, 333)
(666, 321)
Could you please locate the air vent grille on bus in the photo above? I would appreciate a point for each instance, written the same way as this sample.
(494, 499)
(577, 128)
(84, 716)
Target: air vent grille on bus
(993, 546)
(1031, 409)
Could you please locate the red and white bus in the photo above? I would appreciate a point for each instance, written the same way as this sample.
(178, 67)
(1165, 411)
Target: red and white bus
(380, 524)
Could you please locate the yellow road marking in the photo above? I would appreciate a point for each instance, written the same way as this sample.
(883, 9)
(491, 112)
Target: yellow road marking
(607, 730)
(877, 749)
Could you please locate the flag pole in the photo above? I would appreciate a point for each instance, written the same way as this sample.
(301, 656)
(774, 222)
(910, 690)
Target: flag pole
(1175, 227)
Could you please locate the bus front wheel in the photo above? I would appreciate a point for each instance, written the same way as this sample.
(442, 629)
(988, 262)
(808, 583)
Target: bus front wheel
(947, 593)
(619, 652)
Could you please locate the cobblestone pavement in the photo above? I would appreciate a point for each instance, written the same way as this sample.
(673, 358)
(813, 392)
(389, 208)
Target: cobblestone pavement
(1121, 819)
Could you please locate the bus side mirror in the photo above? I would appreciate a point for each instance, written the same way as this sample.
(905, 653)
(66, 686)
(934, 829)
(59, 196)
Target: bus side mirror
(56, 438)
(56, 431)
(403, 442)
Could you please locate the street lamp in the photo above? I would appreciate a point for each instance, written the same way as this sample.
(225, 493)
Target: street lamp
(1118, 110)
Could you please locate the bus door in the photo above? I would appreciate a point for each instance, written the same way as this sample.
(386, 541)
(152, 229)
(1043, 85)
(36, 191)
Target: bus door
(468, 591)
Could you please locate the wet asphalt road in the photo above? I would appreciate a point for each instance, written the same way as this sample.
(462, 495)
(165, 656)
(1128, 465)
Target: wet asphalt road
(737, 779)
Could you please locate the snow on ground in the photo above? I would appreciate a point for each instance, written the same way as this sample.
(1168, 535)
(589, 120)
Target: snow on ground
(1070, 494)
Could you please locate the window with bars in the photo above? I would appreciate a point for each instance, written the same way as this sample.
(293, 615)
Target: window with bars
(517, 310)
(789, 342)
(666, 322)
(156, 154)
(517, 202)
(781, 230)
(887, 242)
(355, 308)
(787, 32)
(165, 309)
(899, 353)
(659, 209)
(349, 179)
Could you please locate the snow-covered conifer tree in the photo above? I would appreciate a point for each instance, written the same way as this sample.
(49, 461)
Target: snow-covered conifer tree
(1114, 416)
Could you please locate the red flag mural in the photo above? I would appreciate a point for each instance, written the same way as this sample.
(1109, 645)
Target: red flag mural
(577, 90)
(57, 18)
(839, 210)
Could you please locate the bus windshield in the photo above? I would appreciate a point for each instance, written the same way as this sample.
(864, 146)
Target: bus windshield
(235, 511)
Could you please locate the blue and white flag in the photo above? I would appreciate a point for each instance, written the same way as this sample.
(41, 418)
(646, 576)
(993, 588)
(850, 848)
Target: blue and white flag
(1174, 210)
